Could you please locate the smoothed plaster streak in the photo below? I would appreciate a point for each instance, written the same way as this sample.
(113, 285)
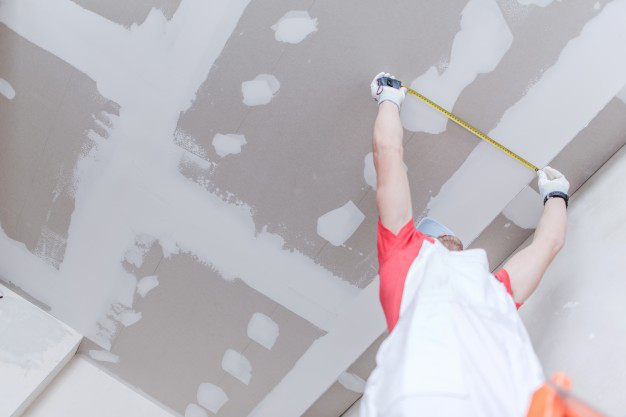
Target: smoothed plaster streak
(539, 125)
(477, 49)
(139, 164)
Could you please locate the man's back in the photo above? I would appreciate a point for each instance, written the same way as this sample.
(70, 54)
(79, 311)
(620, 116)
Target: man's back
(458, 348)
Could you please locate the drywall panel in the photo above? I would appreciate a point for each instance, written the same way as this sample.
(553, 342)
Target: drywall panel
(34, 347)
(576, 317)
(82, 389)
(194, 316)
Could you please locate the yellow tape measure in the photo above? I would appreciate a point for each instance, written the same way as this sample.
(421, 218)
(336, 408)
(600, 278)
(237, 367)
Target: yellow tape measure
(472, 129)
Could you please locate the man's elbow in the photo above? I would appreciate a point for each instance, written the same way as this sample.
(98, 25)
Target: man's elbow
(553, 244)
(386, 145)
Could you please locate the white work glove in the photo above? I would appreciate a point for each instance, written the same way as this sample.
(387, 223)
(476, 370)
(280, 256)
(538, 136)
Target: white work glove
(551, 180)
(385, 93)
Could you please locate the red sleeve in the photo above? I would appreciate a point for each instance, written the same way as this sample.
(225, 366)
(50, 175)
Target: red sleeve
(396, 253)
(503, 276)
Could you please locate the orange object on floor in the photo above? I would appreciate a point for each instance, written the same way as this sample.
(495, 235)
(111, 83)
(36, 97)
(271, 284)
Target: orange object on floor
(553, 399)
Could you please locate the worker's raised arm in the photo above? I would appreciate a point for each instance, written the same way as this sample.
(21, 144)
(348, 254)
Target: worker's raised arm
(526, 268)
(393, 196)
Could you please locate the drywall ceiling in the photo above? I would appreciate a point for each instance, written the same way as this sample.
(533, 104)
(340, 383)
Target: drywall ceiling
(164, 164)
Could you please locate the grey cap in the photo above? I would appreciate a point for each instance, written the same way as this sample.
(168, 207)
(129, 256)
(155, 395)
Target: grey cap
(431, 227)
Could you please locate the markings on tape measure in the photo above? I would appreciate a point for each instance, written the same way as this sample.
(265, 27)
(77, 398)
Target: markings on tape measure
(473, 130)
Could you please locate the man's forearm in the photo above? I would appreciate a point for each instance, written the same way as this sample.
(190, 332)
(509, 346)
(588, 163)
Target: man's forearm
(388, 130)
(393, 195)
(550, 231)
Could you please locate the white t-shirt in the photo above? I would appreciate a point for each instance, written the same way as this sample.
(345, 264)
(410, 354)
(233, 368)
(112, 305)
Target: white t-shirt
(459, 347)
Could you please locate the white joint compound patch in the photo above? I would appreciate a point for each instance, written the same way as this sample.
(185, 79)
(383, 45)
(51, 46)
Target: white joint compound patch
(194, 410)
(263, 330)
(525, 209)
(478, 48)
(338, 225)
(294, 27)
(146, 284)
(259, 91)
(237, 365)
(352, 382)
(104, 356)
(6, 89)
(228, 144)
(596, 6)
(369, 170)
(129, 317)
(211, 397)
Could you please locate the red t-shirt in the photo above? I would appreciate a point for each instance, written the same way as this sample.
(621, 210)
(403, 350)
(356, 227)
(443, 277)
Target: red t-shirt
(396, 254)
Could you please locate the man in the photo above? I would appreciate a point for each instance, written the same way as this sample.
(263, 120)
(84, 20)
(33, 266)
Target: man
(456, 345)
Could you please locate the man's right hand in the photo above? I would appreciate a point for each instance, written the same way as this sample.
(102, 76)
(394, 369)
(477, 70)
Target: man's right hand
(386, 93)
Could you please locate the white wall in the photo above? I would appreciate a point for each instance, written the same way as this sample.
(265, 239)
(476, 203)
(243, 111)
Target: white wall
(84, 390)
(577, 317)
(34, 347)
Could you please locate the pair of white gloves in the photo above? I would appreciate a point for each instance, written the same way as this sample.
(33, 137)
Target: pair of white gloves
(550, 180)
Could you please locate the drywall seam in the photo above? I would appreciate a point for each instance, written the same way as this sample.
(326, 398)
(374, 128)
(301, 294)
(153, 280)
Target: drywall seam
(589, 72)
(525, 208)
(477, 48)
(153, 72)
